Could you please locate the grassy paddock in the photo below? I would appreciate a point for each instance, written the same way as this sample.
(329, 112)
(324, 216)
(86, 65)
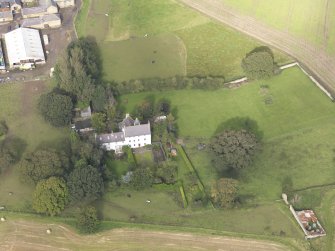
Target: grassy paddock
(212, 49)
(297, 133)
(158, 56)
(18, 109)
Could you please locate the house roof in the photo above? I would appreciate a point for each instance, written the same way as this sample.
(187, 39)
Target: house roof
(23, 44)
(127, 121)
(110, 137)
(11, 1)
(40, 20)
(47, 3)
(33, 10)
(83, 124)
(137, 130)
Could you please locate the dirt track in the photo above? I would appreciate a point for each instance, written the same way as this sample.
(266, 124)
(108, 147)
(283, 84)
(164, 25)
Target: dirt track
(316, 59)
(29, 235)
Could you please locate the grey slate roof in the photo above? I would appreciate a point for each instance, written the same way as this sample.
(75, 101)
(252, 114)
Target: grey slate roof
(43, 20)
(137, 130)
(127, 121)
(110, 137)
(83, 124)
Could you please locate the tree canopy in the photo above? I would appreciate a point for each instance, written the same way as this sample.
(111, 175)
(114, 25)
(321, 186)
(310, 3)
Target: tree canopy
(234, 149)
(85, 184)
(223, 192)
(56, 108)
(79, 70)
(43, 164)
(50, 196)
(87, 220)
(142, 178)
(259, 64)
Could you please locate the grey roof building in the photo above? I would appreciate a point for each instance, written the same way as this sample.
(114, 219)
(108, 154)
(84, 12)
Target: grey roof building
(137, 130)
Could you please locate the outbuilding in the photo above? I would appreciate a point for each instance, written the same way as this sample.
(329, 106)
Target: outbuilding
(24, 48)
(42, 22)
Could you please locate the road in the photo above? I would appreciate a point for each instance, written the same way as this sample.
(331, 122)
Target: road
(30, 235)
(315, 59)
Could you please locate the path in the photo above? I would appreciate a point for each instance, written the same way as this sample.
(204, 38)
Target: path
(30, 235)
(315, 59)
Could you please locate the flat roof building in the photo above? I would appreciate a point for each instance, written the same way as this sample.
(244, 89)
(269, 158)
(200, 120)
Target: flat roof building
(24, 48)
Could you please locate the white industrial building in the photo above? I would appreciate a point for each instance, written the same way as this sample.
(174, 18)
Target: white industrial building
(133, 134)
(24, 48)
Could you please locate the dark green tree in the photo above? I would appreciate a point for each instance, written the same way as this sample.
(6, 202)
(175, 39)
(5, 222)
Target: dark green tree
(50, 196)
(234, 149)
(42, 164)
(99, 99)
(145, 110)
(259, 64)
(163, 107)
(99, 122)
(167, 172)
(3, 128)
(223, 192)
(79, 70)
(87, 220)
(56, 108)
(142, 178)
(85, 184)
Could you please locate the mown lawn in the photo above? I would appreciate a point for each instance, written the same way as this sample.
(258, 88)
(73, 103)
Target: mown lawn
(297, 126)
(121, 26)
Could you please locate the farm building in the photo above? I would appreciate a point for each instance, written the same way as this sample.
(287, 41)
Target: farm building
(83, 126)
(24, 48)
(133, 135)
(10, 5)
(45, 7)
(65, 3)
(6, 16)
(43, 22)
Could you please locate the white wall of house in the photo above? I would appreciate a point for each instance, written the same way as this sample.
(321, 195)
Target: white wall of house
(133, 142)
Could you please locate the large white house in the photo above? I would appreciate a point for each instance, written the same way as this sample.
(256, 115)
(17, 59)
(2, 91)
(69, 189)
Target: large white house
(24, 48)
(132, 134)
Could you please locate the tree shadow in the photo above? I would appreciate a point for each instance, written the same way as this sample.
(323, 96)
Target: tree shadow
(261, 49)
(240, 123)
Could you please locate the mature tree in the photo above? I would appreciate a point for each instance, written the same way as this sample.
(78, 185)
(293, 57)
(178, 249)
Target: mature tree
(50, 196)
(99, 122)
(85, 150)
(234, 149)
(223, 192)
(43, 164)
(145, 110)
(56, 108)
(99, 99)
(163, 107)
(167, 172)
(259, 64)
(87, 220)
(141, 178)
(3, 128)
(79, 69)
(85, 184)
(11, 149)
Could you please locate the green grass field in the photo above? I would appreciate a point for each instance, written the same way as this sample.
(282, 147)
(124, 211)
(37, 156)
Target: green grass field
(294, 17)
(158, 56)
(18, 109)
(211, 49)
(297, 127)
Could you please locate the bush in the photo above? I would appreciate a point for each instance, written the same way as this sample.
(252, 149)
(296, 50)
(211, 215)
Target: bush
(175, 83)
(87, 220)
(259, 64)
(3, 128)
(142, 178)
